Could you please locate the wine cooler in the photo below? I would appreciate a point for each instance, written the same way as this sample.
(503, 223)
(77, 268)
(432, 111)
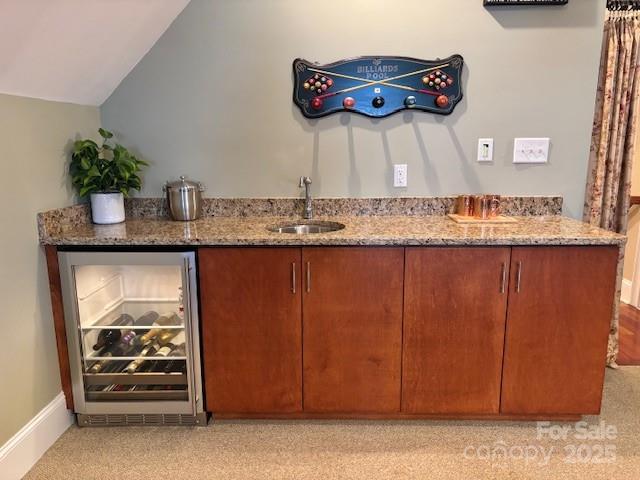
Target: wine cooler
(133, 337)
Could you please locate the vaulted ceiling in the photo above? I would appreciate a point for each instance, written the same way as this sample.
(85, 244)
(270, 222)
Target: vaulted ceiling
(77, 51)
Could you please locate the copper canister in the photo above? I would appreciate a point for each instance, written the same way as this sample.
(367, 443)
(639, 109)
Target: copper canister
(481, 207)
(496, 205)
(486, 206)
(464, 205)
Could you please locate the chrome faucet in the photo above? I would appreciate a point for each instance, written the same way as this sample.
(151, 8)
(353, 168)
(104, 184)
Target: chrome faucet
(305, 182)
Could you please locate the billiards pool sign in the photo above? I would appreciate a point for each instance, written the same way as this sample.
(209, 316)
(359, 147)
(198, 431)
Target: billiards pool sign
(378, 86)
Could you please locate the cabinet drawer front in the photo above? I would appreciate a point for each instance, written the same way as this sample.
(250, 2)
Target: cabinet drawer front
(560, 307)
(455, 307)
(352, 318)
(251, 325)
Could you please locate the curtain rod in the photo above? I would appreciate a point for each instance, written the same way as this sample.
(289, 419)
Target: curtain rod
(618, 5)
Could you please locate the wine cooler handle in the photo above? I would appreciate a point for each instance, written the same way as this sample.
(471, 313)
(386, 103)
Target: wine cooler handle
(308, 277)
(189, 336)
(293, 277)
(503, 283)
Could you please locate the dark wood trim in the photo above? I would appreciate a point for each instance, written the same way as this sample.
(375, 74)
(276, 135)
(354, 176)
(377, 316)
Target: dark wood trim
(51, 253)
(391, 416)
(629, 335)
(634, 200)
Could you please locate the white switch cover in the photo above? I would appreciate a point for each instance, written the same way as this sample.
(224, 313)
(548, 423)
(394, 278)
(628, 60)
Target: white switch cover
(531, 150)
(400, 175)
(485, 149)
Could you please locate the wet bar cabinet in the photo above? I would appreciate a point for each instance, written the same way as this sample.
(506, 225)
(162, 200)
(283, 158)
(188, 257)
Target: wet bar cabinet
(133, 337)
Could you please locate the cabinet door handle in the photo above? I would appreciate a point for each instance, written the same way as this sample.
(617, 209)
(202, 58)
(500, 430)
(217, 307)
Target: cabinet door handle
(518, 277)
(293, 277)
(308, 277)
(503, 283)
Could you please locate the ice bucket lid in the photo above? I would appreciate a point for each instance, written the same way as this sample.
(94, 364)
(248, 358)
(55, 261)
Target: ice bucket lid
(184, 185)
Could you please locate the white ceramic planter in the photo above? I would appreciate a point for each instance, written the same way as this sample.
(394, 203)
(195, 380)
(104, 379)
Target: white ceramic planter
(107, 208)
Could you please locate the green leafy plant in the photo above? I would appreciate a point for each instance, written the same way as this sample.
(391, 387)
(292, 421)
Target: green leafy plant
(108, 168)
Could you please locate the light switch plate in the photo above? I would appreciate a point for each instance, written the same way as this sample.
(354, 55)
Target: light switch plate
(485, 149)
(531, 150)
(400, 175)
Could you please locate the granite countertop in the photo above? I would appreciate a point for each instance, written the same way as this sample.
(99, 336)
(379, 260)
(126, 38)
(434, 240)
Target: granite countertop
(359, 230)
(368, 221)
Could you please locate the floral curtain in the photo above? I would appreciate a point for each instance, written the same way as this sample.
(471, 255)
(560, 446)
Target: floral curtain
(614, 132)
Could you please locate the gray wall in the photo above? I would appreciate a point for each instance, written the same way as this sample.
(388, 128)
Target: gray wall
(35, 136)
(212, 99)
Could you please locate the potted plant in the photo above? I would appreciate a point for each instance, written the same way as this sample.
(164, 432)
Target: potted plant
(106, 173)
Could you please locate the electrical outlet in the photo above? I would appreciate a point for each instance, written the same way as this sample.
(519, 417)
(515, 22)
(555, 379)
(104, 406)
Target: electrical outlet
(485, 149)
(400, 175)
(531, 150)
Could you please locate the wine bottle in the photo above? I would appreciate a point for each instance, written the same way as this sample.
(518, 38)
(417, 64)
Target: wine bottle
(175, 366)
(147, 351)
(177, 338)
(169, 318)
(146, 338)
(159, 333)
(165, 337)
(110, 336)
(167, 366)
(164, 351)
(108, 366)
(120, 349)
(147, 318)
(111, 351)
(180, 350)
(127, 338)
(114, 366)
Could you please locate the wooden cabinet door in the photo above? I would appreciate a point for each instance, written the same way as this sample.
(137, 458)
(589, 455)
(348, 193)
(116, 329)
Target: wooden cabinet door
(251, 329)
(455, 303)
(352, 324)
(560, 307)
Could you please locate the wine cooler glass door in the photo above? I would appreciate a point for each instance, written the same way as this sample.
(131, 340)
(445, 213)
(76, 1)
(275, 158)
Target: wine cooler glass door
(132, 332)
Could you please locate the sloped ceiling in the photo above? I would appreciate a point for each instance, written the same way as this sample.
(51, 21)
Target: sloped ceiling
(77, 51)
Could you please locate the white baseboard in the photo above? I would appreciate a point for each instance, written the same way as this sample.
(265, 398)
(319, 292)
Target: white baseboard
(625, 296)
(23, 450)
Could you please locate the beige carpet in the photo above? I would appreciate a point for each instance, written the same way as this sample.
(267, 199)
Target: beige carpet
(356, 450)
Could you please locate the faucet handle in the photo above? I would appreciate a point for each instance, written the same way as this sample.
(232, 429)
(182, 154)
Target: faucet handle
(304, 181)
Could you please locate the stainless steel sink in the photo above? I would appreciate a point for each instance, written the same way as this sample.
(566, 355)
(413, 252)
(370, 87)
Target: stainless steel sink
(305, 227)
